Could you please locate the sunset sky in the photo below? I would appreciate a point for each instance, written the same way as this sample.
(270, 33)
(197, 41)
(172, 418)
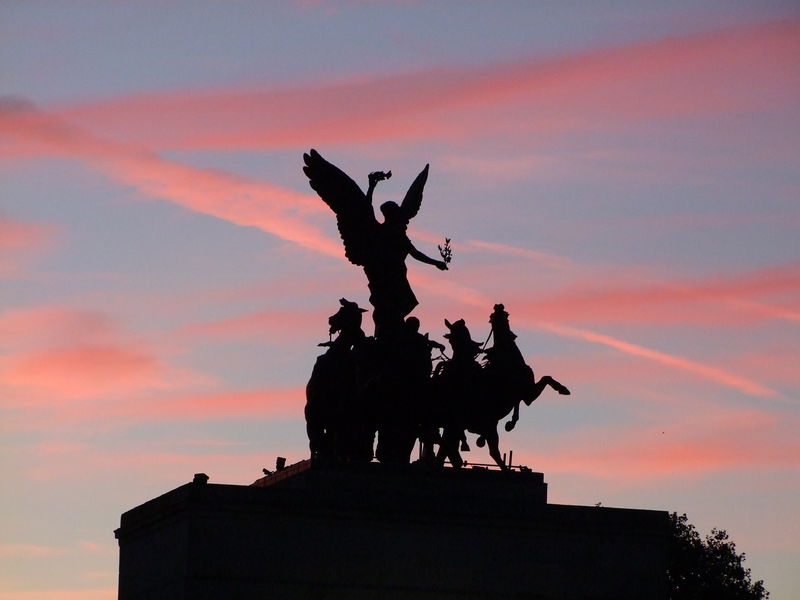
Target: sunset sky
(623, 176)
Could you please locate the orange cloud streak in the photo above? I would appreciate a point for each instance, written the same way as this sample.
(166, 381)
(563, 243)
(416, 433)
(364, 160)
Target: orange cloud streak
(478, 300)
(741, 68)
(657, 459)
(21, 235)
(27, 551)
(677, 301)
(274, 210)
(57, 352)
(118, 410)
(742, 384)
(278, 323)
(546, 259)
(692, 440)
(53, 326)
(285, 402)
(236, 199)
(18, 240)
(82, 371)
(62, 594)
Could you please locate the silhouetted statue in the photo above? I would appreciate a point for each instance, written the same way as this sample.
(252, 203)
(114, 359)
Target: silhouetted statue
(417, 349)
(363, 386)
(509, 376)
(457, 385)
(403, 395)
(381, 248)
(474, 397)
(336, 423)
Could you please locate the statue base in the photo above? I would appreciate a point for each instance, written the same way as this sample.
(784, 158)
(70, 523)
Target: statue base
(366, 531)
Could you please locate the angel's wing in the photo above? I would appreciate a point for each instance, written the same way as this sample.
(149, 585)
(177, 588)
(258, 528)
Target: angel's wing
(354, 214)
(413, 199)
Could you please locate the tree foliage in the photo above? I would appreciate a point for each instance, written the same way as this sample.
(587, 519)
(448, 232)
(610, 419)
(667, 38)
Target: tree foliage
(707, 569)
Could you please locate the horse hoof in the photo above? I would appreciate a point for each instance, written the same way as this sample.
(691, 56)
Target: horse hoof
(480, 442)
(509, 426)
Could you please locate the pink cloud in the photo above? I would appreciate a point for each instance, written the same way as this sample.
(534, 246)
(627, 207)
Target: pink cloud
(698, 445)
(83, 371)
(724, 298)
(124, 405)
(20, 240)
(21, 235)
(481, 305)
(273, 402)
(655, 460)
(162, 465)
(27, 551)
(53, 325)
(546, 259)
(716, 374)
(778, 363)
(238, 200)
(275, 323)
(108, 593)
(284, 213)
(721, 71)
(58, 352)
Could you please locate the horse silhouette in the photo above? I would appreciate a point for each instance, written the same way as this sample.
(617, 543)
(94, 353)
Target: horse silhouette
(476, 397)
(335, 416)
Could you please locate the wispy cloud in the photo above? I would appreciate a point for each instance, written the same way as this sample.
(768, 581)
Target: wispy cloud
(53, 325)
(275, 402)
(718, 375)
(167, 465)
(481, 302)
(122, 407)
(27, 551)
(731, 298)
(22, 240)
(108, 593)
(701, 73)
(236, 199)
(546, 259)
(58, 352)
(659, 78)
(277, 323)
(686, 443)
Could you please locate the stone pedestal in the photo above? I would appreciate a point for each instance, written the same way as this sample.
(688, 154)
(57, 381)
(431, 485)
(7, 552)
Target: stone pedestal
(369, 532)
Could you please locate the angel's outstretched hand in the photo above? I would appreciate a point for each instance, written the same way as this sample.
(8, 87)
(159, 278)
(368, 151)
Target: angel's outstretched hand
(441, 265)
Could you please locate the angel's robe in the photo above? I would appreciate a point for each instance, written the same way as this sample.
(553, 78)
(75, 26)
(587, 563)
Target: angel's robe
(387, 277)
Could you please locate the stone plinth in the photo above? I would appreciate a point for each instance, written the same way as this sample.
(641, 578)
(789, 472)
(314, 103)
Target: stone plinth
(369, 532)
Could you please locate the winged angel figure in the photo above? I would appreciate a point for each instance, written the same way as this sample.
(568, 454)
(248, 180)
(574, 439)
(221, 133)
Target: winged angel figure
(381, 248)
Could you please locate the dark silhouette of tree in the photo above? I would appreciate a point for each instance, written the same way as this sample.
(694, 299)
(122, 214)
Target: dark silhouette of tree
(707, 569)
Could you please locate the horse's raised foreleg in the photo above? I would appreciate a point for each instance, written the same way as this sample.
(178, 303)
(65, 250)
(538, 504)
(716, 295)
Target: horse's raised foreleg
(538, 387)
(536, 390)
(557, 386)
